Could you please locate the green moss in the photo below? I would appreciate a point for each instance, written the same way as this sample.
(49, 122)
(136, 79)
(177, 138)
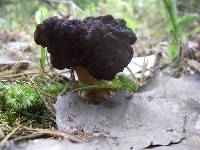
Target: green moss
(55, 88)
(21, 97)
(127, 83)
(8, 118)
(17, 96)
(20, 102)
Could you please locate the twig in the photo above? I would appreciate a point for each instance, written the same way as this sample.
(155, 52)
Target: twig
(29, 137)
(3, 142)
(56, 133)
(37, 116)
(144, 69)
(72, 81)
(50, 66)
(39, 94)
(43, 91)
(52, 6)
(44, 72)
(3, 75)
(133, 76)
(71, 3)
(141, 66)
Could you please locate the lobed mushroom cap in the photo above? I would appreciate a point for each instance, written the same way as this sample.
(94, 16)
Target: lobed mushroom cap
(101, 45)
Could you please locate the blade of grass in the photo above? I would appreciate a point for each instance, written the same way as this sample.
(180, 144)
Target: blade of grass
(172, 15)
(43, 57)
(174, 48)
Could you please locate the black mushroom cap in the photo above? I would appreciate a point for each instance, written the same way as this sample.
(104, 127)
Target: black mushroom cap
(101, 45)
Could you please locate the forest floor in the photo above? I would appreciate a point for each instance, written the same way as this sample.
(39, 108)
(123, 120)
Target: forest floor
(162, 115)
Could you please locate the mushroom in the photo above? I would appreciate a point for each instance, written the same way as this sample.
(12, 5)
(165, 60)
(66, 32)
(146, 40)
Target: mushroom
(97, 48)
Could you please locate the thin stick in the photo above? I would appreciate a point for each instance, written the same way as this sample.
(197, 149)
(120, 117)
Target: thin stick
(32, 83)
(50, 66)
(133, 76)
(48, 3)
(2, 76)
(56, 133)
(29, 137)
(144, 69)
(3, 142)
(71, 3)
(141, 66)
(72, 80)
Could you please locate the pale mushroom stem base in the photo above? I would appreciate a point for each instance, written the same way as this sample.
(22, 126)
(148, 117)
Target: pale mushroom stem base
(93, 95)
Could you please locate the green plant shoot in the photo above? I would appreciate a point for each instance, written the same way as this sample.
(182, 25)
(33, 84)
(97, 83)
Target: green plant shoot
(176, 24)
(43, 57)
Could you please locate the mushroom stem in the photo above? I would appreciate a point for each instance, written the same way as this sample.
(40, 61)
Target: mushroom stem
(94, 95)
